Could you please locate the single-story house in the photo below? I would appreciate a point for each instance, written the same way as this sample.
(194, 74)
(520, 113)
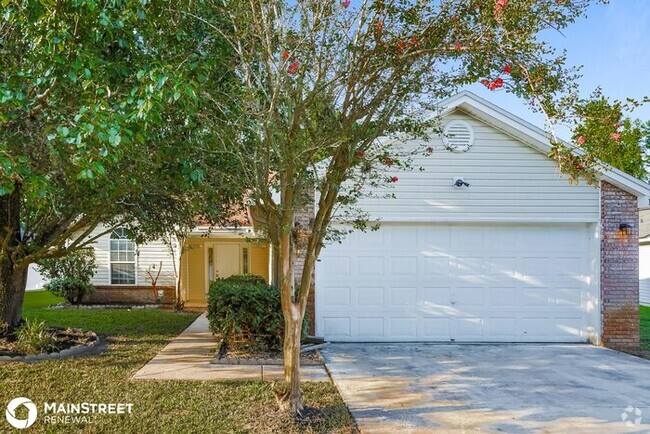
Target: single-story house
(644, 257)
(510, 253)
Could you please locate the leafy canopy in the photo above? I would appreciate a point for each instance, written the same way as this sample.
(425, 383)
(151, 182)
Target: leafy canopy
(98, 121)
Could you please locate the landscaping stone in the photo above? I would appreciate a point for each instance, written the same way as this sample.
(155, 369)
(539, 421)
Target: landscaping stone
(105, 306)
(68, 352)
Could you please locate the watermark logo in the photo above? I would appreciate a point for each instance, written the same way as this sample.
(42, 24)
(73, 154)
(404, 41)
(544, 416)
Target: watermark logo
(10, 414)
(631, 416)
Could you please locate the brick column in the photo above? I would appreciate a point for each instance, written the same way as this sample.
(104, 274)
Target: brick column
(619, 278)
(304, 220)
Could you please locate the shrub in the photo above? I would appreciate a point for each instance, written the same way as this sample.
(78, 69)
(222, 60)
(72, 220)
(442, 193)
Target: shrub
(70, 275)
(69, 288)
(246, 312)
(246, 278)
(33, 337)
(78, 264)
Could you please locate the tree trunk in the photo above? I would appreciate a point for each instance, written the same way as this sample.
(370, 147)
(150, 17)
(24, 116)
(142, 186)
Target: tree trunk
(292, 335)
(13, 276)
(290, 399)
(12, 293)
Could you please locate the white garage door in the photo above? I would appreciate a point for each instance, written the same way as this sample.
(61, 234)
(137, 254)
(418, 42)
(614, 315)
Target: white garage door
(515, 283)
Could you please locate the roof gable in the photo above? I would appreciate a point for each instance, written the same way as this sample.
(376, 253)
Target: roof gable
(534, 137)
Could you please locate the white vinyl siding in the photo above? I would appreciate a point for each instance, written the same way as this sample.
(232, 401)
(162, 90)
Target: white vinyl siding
(153, 254)
(644, 273)
(148, 254)
(509, 181)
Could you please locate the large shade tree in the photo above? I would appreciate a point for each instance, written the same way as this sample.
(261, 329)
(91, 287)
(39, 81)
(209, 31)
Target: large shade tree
(326, 91)
(98, 126)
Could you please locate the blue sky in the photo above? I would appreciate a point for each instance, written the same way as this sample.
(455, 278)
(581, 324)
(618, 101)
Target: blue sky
(612, 44)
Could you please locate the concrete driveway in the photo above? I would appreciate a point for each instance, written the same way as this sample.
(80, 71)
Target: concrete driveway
(416, 388)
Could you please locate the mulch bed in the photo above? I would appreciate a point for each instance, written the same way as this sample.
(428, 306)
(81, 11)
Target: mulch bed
(230, 355)
(63, 340)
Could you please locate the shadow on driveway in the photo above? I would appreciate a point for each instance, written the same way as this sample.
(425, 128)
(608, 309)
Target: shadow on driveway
(517, 388)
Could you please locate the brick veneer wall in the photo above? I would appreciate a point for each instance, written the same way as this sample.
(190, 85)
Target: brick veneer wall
(128, 295)
(304, 220)
(619, 278)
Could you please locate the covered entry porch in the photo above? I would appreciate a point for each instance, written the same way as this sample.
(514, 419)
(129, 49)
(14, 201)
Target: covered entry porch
(218, 255)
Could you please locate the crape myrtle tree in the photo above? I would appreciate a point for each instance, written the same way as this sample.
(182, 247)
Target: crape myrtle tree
(97, 126)
(327, 90)
(601, 128)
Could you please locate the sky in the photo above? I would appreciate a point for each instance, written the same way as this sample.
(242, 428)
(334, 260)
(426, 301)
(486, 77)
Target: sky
(612, 44)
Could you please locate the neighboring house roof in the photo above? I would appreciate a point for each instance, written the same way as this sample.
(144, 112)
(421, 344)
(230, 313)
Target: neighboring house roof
(644, 224)
(535, 137)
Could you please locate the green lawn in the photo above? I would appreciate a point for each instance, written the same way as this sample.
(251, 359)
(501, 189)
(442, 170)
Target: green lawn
(163, 407)
(644, 316)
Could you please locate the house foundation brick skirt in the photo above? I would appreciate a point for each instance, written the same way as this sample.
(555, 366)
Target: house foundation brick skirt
(129, 295)
(619, 270)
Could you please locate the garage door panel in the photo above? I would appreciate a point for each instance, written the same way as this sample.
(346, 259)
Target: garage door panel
(403, 327)
(370, 265)
(456, 283)
(436, 265)
(468, 296)
(403, 265)
(338, 266)
(501, 297)
(370, 296)
(467, 236)
(401, 296)
(436, 295)
(436, 328)
(502, 328)
(337, 327)
(434, 238)
(469, 328)
(370, 327)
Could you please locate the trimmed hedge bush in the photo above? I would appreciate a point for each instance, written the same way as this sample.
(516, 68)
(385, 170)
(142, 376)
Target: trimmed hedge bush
(246, 312)
(72, 289)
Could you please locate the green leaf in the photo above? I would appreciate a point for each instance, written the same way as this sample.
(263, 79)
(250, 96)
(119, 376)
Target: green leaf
(63, 131)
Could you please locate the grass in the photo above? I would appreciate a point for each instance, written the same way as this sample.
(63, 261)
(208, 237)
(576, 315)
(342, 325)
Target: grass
(134, 337)
(644, 319)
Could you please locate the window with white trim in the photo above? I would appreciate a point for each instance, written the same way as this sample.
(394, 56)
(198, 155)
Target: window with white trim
(122, 258)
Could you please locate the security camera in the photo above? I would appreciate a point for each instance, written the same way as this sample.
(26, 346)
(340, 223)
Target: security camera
(459, 182)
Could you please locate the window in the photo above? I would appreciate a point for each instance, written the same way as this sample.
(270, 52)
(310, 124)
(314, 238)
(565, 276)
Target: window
(122, 258)
(244, 263)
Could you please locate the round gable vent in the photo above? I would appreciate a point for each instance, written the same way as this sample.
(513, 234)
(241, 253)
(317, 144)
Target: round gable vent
(458, 136)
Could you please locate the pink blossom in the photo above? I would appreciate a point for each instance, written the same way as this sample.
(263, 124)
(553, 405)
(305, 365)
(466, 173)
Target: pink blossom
(581, 140)
(499, 6)
(346, 3)
(615, 136)
(293, 67)
(394, 179)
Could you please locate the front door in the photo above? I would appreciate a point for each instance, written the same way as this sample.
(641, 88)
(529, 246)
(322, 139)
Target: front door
(222, 260)
(227, 260)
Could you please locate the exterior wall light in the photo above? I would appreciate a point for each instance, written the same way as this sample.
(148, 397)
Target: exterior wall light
(625, 228)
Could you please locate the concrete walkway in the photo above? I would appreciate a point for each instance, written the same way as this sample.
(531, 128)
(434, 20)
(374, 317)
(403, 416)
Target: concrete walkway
(419, 388)
(188, 357)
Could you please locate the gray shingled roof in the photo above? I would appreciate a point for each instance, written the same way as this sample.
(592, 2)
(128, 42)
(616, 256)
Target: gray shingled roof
(644, 225)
